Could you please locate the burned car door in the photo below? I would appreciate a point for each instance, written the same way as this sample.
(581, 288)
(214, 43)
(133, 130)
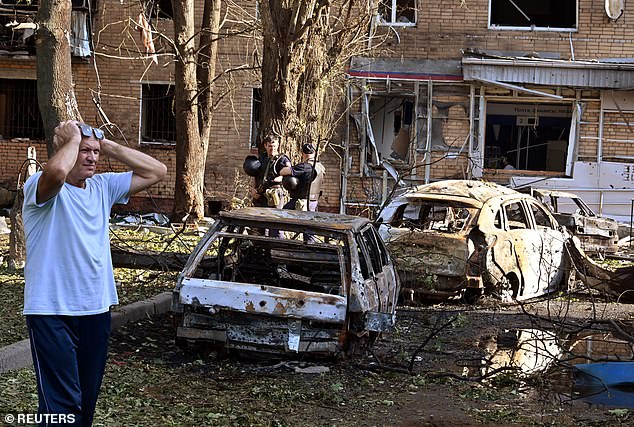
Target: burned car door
(553, 256)
(529, 250)
(380, 279)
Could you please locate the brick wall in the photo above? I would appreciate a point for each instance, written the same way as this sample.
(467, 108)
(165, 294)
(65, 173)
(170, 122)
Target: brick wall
(443, 30)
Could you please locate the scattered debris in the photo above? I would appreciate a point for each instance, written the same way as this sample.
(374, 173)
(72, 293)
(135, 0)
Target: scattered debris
(4, 228)
(312, 370)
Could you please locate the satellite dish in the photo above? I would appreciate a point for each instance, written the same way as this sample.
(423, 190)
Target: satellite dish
(614, 9)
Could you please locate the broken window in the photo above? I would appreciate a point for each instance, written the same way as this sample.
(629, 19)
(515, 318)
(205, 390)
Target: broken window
(527, 136)
(19, 111)
(256, 108)
(533, 14)
(516, 217)
(17, 26)
(233, 256)
(450, 123)
(541, 217)
(159, 9)
(433, 216)
(158, 124)
(497, 222)
(397, 12)
(390, 130)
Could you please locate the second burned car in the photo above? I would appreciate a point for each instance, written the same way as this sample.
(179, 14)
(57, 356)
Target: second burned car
(459, 238)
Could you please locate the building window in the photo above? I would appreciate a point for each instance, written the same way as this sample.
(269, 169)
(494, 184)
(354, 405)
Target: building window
(159, 9)
(527, 136)
(22, 12)
(389, 128)
(256, 109)
(554, 15)
(158, 124)
(397, 12)
(19, 111)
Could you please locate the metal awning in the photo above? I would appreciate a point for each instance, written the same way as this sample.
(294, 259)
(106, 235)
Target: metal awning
(577, 74)
(406, 69)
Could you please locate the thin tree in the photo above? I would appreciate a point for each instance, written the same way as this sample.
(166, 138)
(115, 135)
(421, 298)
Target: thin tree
(55, 94)
(194, 74)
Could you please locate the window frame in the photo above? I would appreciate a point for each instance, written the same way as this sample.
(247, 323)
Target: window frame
(527, 216)
(497, 27)
(10, 90)
(532, 206)
(254, 129)
(393, 22)
(142, 115)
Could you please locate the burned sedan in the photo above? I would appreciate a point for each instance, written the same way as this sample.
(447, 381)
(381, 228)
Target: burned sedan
(322, 283)
(460, 238)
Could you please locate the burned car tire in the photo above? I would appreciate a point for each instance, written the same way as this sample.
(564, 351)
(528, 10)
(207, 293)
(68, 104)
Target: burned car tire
(472, 295)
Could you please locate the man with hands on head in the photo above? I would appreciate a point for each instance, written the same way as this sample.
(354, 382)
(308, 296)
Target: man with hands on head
(69, 278)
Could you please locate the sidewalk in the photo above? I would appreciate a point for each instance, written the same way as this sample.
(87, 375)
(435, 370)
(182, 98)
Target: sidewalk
(18, 355)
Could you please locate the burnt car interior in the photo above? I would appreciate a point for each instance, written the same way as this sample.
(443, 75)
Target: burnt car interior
(433, 216)
(234, 256)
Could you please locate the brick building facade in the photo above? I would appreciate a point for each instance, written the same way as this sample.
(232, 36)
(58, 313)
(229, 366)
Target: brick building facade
(458, 89)
(533, 94)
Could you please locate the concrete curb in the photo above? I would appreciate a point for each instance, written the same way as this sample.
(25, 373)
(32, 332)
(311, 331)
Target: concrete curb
(18, 355)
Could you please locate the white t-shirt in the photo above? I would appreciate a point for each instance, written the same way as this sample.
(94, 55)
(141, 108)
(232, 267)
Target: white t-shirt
(68, 265)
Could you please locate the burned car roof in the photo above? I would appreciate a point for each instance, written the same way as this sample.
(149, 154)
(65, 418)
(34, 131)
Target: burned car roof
(316, 220)
(474, 193)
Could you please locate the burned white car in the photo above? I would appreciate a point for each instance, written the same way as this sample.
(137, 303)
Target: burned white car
(463, 238)
(597, 234)
(321, 283)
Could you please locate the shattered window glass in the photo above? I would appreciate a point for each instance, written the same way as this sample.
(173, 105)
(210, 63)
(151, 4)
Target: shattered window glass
(541, 218)
(515, 216)
(433, 216)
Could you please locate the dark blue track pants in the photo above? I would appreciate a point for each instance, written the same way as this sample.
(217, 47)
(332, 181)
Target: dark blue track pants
(69, 357)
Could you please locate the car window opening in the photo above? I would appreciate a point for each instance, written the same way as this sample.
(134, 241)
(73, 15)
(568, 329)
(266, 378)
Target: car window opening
(434, 216)
(284, 263)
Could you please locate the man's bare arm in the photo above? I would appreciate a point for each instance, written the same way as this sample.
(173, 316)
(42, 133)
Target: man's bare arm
(67, 138)
(146, 170)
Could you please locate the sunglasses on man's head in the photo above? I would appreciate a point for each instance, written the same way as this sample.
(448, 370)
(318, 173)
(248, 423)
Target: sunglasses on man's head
(88, 131)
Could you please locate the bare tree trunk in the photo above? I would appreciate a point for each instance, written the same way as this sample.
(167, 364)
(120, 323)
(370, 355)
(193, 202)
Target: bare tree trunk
(306, 48)
(193, 101)
(207, 66)
(294, 52)
(55, 94)
(17, 249)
